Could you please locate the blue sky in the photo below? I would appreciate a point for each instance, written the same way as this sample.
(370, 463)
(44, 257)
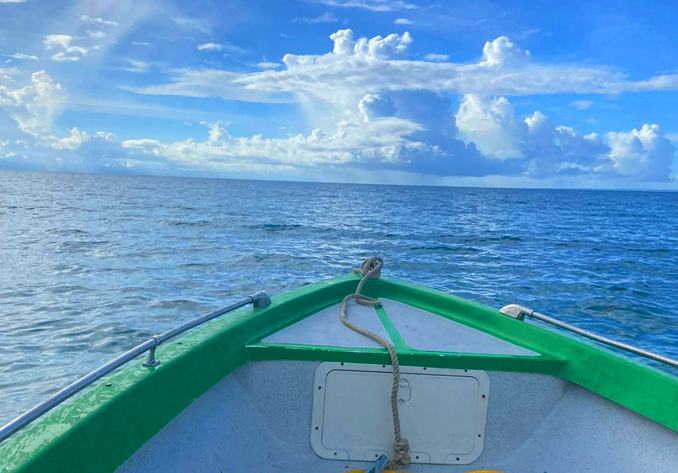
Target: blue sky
(536, 94)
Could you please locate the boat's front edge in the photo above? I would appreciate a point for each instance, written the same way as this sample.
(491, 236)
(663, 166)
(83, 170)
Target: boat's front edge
(99, 430)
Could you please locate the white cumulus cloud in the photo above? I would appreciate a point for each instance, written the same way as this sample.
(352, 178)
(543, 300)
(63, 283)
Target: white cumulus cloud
(644, 154)
(502, 52)
(491, 125)
(359, 66)
(379, 63)
(375, 106)
(381, 141)
(72, 142)
(34, 106)
(369, 107)
(546, 149)
(393, 46)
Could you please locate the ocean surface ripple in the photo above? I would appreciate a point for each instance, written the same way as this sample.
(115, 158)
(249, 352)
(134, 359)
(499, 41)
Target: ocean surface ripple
(92, 265)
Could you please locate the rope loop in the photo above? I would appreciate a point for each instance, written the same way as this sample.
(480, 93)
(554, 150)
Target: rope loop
(371, 269)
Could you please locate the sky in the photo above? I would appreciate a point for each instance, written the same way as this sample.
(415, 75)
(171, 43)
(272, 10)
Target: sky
(535, 94)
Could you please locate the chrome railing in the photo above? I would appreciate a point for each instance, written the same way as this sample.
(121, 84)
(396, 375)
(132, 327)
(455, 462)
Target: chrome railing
(519, 312)
(257, 300)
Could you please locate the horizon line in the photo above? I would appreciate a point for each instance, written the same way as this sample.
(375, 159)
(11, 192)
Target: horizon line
(300, 181)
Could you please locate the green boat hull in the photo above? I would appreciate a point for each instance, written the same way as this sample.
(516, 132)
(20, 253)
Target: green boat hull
(103, 428)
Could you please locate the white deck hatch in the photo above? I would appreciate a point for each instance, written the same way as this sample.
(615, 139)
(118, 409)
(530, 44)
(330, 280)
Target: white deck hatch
(442, 412)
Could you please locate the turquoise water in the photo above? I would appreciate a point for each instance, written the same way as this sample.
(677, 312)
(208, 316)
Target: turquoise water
(92, 264)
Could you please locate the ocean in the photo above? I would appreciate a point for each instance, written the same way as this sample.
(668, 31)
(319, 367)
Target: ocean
(91, 265)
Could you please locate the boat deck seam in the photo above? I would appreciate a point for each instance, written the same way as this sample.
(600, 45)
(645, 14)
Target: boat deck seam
(271, 351)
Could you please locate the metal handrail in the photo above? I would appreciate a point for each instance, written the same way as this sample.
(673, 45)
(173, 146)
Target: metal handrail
(519, 312)
(259, 299)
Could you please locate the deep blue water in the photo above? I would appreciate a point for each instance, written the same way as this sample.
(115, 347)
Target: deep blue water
(91, 265)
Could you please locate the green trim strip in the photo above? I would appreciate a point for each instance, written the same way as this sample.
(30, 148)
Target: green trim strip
(432, 359)
(97, 431)
(398, 342)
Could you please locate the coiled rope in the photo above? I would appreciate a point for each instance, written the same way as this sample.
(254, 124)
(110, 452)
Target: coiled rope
(371, 269)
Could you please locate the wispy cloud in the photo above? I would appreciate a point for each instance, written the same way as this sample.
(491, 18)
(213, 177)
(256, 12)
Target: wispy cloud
(581, 104)
(140, 43)
(227, 47)
(327, 17)
(208, 83)
(23, 57)
(98, 21)
(210, 47)
(527, 33)
(8, 72)
(68, 53)
(135, 65)
(62, 41)
(437, 57)
(195, 24)
(265, 64)
(96, 34)
(63, 57)
(12, 1)
(373, 5)
(403, 21)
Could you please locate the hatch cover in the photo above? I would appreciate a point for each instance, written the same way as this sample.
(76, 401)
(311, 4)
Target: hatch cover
(442, 412)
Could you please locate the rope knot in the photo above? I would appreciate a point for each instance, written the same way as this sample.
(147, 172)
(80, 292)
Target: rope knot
(401, 458)
(371, 267)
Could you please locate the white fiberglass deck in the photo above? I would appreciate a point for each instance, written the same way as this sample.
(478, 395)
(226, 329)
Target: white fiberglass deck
(325, 328)
(258, 419)
(419, 329)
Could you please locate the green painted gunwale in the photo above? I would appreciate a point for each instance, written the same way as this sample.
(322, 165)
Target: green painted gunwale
(98, 430)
